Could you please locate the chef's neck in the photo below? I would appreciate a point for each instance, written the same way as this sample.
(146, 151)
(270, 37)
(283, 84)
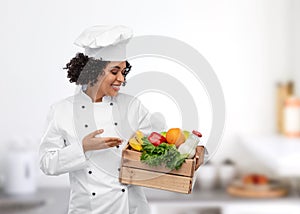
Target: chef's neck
(94, 94)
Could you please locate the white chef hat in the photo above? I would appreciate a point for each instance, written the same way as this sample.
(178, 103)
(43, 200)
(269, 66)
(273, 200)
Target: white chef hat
(105, 42)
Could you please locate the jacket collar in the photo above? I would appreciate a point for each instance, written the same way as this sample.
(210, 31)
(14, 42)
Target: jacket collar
(83, 96)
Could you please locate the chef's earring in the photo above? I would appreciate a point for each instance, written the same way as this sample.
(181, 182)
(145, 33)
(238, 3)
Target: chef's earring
(84, 87)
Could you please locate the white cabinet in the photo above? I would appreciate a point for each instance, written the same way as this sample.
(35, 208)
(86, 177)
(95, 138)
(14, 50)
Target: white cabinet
(219, 202)
(278, 153)
(261, 208)
(181, 207)
(185, 208)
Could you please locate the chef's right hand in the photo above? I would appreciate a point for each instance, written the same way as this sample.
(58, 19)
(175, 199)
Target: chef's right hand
(91, 142)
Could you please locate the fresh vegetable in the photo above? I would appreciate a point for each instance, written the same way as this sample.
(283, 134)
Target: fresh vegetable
(156, 138)
(163, 134)
(136, 141)
(135, 144)
(175, 136)
(186, 134)
(162, 155)
(138, 136)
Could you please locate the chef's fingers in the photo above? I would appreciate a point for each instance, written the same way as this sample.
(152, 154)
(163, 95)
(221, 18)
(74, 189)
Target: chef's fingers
(110, 139)
(113, 142)
(94, 133)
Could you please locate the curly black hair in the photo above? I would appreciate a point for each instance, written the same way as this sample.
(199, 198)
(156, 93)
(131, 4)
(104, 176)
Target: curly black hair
(83, 69)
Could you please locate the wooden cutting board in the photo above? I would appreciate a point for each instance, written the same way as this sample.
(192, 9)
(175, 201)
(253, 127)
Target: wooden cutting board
(273, 192)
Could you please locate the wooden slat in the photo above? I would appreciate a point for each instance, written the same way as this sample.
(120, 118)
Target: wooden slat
(201, 157)
(157, 180)
(131, 158)
(133, 171)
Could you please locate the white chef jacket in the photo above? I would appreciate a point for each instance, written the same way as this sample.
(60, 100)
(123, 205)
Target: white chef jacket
(95, 186)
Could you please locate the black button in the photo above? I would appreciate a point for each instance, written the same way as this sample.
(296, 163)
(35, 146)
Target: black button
(116, 124)
(111, 104)
(117, 146)
(118, 169)
(93, 194)
(85, 125)
(90, 172)
(123, 190)
(82, 106)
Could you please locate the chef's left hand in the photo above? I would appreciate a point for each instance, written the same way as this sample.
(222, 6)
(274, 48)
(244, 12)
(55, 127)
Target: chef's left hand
(198, 155)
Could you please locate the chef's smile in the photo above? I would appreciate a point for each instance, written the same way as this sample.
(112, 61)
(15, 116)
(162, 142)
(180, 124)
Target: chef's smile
(116, 87)
(110, 81)
(114, 76)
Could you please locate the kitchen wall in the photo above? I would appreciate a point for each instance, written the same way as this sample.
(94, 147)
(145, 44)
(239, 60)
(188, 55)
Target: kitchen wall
(251, 44)
(296, 43)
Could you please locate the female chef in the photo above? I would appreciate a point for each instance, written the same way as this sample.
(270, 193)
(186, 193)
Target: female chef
(85, 132)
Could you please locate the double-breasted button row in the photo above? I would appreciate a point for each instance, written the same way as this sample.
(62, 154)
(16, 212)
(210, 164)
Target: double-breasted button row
(85, 125)
(109, 104)
(116, 125)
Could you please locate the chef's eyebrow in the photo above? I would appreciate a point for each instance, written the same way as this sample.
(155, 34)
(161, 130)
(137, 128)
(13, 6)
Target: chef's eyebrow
(118, 67)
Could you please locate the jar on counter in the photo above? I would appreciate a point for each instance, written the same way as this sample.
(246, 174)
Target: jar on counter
(292, 117)
(227, 172)
(20, 167)
(207, 176)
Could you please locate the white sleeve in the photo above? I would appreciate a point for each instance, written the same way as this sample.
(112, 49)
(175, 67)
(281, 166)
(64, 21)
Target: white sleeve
(55, 157)
(150, 122)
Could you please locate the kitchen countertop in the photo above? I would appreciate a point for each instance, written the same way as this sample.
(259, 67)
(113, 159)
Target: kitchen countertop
(55, 200)
(218, 196)
(44, 201)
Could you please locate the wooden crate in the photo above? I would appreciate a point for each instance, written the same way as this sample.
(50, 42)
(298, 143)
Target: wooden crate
(133, 171)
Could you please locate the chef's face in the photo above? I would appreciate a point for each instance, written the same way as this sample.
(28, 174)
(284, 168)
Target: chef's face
(112, 78)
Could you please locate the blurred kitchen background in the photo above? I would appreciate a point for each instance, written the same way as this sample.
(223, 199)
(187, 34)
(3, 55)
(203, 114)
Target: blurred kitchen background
(253, 47)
